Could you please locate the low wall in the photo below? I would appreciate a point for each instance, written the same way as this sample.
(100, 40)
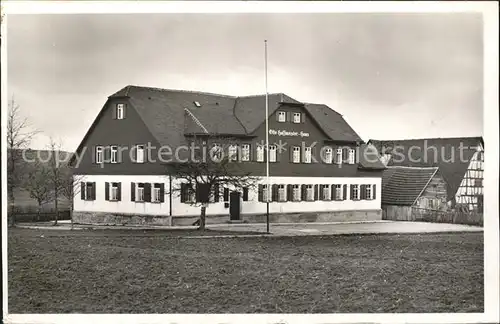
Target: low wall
(124, 219)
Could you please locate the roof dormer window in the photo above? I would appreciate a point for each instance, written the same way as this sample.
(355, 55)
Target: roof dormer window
(197, 104)
(120, 111)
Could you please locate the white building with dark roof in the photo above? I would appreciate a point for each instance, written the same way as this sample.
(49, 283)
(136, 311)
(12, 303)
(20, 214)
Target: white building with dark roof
(318, 165)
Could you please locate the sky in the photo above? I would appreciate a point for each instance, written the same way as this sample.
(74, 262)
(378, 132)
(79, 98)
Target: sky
(392, 76)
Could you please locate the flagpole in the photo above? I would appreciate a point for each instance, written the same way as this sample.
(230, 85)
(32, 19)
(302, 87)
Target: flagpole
(267, 143)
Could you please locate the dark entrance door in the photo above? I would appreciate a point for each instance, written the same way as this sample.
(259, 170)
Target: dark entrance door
(234, 205)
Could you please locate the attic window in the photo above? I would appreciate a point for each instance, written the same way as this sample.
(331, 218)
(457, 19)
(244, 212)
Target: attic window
(197, 104)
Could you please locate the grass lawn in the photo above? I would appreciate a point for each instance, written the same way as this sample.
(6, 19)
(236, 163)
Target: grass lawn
(117, 271)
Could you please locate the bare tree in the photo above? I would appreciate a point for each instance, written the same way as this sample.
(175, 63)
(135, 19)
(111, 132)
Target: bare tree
(19, 137)
(60, 173)
(214, 163)
(36, 184)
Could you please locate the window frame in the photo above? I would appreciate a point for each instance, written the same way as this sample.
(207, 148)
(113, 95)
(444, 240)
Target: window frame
(281, 114)
(297, 121)
(120, 108)
(156, 191)
(232, 152)
(273, 157)
(266, 194)
(355, 189)
(352, 156)
(295, 150)
(260, 153)
(296, 192)
(139, 190)
(139, 147)
(338, 156)
(113, 149)
(338, 192)
(112, 187)
(368, 192)
(308, 154)
(309, 189)
(99, 152)
(328, 155)
(245, 152)
(88, 193)
(327, 195)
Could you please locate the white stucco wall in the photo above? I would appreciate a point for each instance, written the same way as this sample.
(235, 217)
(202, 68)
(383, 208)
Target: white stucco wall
(252, 206)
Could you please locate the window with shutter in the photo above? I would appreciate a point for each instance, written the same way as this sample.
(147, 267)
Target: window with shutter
(281, 193)
(296, 193)
(157, 192)
(245, 194)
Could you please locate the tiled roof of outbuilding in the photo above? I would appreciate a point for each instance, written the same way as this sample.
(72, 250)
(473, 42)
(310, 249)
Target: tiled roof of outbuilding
(403, 185)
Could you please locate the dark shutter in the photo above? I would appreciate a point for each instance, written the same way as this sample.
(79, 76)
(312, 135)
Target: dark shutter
(132, 191)
(291, 154)
(260, 193)
(82, 190)
(321, 192)
(124, 111)
(162, 192)
(93, 190)
(362, 193)
(374, 191)
(226, 194)
(344, 193)
(277, 116)
(114, 108)
(245, 194)
(106, 194)
(289, 192)
(288, 116)
(345, 153)
(351, 192)
(302, 118)
(303, 192)
(94, 148)
(203, 192)
(313, 154)
(147, 192)
(274, 193)
(216, 192)
(119, 190)
(316, 192)
(134, 154)
(333, 192)
(183, 192)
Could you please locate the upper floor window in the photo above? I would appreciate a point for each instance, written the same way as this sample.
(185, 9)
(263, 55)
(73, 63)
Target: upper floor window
(328, 155)
(120, 111)
(338, 156)
(233, 152)
(296, 154)
(351, 156)
(114, 154)
(245, 152)
(296, 118)
(139, 153)
(216, 152)
(260, 153)
(281, 116)
(98, 154)
(272, 153)
(307, 154)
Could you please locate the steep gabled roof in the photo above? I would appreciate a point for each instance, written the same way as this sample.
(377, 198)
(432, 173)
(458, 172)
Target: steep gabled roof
(221, 114)
(403, 185)
(411, 153)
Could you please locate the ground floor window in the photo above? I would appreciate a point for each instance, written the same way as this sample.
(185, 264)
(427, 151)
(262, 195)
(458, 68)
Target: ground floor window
(139, 194)
(281, 193)
(157, 192)
(325, 192)
(338, 192)
(354, 192)
(309, 192)
(368, 192)
(296, 192)
(87, 191)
